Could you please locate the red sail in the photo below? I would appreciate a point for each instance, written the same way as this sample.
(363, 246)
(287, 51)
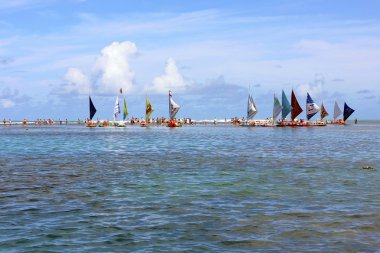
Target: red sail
(296, 108)
(323, 112)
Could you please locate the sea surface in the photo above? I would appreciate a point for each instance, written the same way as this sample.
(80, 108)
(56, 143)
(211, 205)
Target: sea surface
(201, 188)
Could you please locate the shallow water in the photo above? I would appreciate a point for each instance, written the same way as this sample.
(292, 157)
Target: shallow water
(190, 189)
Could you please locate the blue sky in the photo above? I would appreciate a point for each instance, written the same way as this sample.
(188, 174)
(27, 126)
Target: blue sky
(209, 53)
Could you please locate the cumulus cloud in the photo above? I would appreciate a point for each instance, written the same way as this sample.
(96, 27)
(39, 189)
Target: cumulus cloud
(76, 82)
(113, 66)
(314, 88)
(110, 72)
(172, 79)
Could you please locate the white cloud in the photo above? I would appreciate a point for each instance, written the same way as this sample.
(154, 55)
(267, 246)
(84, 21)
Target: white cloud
(315, 89)
(172, 79)
(114, 69)
(110, 72)
(77, 82)
(6, 103)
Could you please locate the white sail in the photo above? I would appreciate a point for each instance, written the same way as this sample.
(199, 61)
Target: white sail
(337, 111)
(116, 109)
(173, 106)
(251, 108)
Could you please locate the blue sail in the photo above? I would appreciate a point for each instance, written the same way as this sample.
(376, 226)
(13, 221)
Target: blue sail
(311, 107)
(286, 107)
(347, 112)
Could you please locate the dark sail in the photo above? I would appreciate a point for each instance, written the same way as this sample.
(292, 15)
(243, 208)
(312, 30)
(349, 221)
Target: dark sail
(296, 108)
(324, 113)
(347, 112)
(92, 109)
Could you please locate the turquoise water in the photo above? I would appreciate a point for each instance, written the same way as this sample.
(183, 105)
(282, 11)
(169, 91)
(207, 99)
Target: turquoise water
(190, 189)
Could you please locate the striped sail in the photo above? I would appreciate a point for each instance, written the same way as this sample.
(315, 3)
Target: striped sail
(337, 111)
(311, 107)
(277, 108)
(286, 107)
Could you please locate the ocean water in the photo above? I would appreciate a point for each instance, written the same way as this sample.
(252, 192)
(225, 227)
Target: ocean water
(190, 189)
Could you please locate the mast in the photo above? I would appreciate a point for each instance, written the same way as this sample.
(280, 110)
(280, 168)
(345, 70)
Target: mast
(296, 108)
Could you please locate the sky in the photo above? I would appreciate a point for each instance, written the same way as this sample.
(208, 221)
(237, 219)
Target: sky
(210, 54)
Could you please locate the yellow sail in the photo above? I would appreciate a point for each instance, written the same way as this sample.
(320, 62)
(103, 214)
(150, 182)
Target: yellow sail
(148, 109)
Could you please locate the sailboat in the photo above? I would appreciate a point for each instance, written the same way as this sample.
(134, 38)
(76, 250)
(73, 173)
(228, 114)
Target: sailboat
(251, 109)
(148, 111)
(286, 107)
(347, 111)
(337, 113)
(173, 109)
(311, 107)
(296, 108)
(277, 108)
(116, 112)
(324, 113)
(90, 123)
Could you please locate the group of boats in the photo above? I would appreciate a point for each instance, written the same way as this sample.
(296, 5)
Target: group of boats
(295, 110)
(284, 108)
(172, 122)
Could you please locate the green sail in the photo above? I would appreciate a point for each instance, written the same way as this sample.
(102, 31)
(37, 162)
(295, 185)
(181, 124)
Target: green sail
(286, 107)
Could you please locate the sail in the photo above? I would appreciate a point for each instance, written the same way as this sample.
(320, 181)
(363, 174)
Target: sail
(148, 109)
(286, 107)
(125, 114)
(277, 108)
(251, 108)
(173, 106)
(296, 108)
(92, 109)
(347, 112)
(116, 109)
(337, 111)
(311, 107)
(324, 113)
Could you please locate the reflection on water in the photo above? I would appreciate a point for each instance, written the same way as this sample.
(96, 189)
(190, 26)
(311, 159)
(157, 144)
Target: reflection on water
(202, 188)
